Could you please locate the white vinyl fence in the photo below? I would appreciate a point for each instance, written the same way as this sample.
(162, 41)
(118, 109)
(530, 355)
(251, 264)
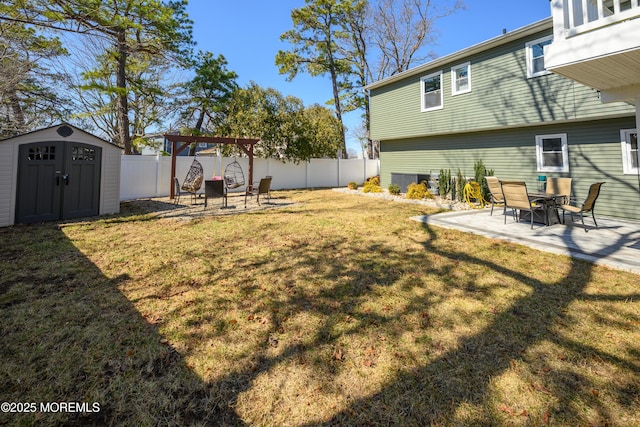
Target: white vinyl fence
(150, 176)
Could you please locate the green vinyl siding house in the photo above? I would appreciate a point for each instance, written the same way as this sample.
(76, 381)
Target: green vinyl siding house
(496, 102)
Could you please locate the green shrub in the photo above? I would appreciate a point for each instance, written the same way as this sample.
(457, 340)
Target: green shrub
(394, 189)
(460, 183)
(418, 191)
(352, 185)
(444, 182)
(480, 172)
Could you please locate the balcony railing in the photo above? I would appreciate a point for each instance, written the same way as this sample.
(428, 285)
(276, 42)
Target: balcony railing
(580, 16)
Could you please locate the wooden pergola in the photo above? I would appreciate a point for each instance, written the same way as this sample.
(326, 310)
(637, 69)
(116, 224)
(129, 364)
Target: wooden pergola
(245, 144)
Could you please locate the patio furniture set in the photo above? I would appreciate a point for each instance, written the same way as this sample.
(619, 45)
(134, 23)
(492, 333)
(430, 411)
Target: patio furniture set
(542, 206)
(219, 187)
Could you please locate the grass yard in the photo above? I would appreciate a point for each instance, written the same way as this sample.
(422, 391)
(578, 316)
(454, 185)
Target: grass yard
(334, 310)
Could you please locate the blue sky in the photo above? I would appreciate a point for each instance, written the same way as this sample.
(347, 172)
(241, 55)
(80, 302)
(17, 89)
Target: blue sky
(247, 33)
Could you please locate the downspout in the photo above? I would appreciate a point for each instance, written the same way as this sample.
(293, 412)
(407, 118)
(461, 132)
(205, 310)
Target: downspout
(637, 101)
(367, 117)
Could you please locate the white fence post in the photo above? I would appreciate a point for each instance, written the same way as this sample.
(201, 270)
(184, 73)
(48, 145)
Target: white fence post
(158, 174)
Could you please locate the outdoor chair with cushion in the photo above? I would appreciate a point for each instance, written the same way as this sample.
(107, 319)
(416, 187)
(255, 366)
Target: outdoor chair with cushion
(495, 191)
(588, 205)
(193, 181)
(516, 197)
(264, 187)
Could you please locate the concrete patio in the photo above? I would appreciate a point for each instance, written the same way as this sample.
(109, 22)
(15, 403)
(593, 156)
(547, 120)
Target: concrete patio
(615, 243)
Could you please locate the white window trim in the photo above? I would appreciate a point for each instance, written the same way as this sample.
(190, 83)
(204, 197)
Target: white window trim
(565, 153)
(626, 152)
(529, 53)
(422, 79)
(455, 92)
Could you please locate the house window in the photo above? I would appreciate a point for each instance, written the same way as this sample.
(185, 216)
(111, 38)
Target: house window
(630, 153)
(461, 79)
(552, 153)
(431, 88)
(535, 56)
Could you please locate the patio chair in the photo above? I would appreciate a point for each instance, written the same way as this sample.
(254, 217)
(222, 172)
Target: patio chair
(588, 205)
(495, 191)
(560, 186)
(264, 187)
(517, 198)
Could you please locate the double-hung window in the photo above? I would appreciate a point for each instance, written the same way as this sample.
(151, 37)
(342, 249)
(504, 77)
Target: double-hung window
(461, 79)
(535, 56)
(552, 153)
(630, 153)
(431, 90)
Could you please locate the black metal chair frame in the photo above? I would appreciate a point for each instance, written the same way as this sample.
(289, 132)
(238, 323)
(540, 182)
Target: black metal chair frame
(179, 192)
(264, 187)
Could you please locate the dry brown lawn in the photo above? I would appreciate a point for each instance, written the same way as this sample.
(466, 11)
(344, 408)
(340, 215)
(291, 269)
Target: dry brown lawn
(334, 310)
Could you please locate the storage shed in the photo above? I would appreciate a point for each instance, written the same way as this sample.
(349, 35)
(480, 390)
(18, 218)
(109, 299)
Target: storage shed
(57, 173)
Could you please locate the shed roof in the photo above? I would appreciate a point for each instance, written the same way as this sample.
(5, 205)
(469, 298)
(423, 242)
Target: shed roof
(75, 128)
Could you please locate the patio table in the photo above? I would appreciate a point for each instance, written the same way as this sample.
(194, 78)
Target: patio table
(550, 207)
(215, 188)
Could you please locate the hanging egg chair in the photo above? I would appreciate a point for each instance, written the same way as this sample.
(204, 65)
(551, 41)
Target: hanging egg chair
(233, 175)
(193, 180)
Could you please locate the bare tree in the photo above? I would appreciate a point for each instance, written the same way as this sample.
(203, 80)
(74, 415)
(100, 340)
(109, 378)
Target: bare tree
(386, 38)
(401, 29)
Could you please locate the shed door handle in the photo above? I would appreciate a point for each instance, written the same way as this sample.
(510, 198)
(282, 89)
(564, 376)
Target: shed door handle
(66, 179)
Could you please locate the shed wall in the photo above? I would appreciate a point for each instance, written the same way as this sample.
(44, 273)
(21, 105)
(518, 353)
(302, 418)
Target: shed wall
(8, 174)
(110, 179)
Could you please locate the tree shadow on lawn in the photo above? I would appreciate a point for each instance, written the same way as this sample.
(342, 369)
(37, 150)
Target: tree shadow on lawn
(458, 375)
(69, 335)
(464, 375)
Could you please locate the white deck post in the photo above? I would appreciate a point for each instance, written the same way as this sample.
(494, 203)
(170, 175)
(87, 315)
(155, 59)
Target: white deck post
(559, 19)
